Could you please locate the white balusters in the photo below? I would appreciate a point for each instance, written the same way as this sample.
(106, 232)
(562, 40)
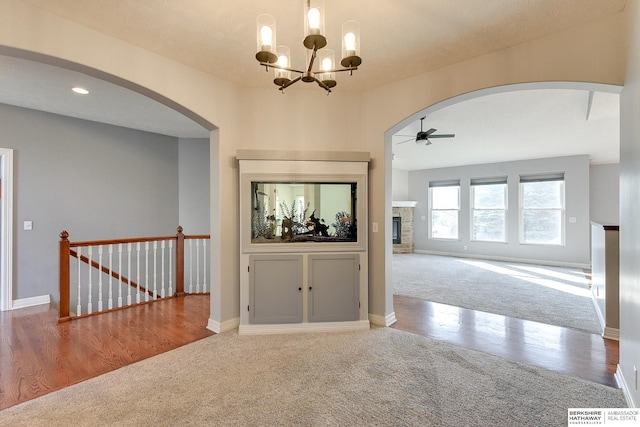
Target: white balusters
(100, 278)
(204, 265)
(198, 266)
(138, 271)
(146, 270)
(79, 303)
(100, 296)
(110, 301)
(162, 247)
(170, 265)
(129, 273)
(155, 269)
(190, 266)
(120, 276)
(89, 304)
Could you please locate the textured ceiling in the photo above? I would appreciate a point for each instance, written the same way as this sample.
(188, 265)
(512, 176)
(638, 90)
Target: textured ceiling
(399, 38)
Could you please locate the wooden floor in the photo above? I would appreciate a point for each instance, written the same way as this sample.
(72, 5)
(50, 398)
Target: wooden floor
(38, 355)
(564, 350)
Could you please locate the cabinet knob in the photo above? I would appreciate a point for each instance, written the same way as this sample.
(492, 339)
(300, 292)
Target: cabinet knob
(300, 288)
(310, 287)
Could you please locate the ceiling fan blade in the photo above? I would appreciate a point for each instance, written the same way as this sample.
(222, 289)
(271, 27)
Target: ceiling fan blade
(444, 135)
(427, 142)
(402, 142)
(430, 131)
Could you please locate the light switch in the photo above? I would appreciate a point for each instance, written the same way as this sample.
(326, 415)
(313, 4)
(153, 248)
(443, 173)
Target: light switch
(28, 225)
(572, 219)
(374, 227)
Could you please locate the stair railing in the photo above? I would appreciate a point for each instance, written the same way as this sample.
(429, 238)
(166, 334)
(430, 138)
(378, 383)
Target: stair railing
(104, 281)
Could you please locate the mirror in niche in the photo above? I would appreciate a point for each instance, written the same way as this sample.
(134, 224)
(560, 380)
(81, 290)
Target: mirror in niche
(291, 212)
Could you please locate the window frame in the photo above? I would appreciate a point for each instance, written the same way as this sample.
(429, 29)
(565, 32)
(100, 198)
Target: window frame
(476, 182)
(440, 184)
(528, 179)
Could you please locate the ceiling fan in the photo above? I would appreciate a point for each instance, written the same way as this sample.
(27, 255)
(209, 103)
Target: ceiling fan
(425, 135)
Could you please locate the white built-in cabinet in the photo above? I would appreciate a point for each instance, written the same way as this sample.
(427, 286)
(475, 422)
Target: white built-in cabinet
(316, 283)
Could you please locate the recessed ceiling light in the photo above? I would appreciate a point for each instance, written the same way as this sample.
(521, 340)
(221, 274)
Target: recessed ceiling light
(80, 90)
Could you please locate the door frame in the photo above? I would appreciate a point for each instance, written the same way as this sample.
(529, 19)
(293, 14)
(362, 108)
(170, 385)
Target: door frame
(6, 229)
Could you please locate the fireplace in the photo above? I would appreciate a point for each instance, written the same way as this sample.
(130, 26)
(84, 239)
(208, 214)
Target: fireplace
(397, 230)
(403, 227)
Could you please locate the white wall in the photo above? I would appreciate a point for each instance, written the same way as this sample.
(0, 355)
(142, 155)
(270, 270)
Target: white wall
(575, 251)
(604, 194)
(400, 181)
(630, 212)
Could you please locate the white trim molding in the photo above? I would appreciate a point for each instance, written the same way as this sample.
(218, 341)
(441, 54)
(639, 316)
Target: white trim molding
(387, 320)
(227, 325)
(30, 302)
(625, 388)
(290, 328)
(6, 229)
(404, 204)
(611, 333)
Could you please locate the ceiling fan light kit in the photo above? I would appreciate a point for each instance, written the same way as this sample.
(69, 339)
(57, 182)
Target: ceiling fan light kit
(277, 57)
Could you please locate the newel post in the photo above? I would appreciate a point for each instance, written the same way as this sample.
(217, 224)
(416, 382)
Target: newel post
(65, 253)
(179, 262)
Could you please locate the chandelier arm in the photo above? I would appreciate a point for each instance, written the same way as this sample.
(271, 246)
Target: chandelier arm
(322, 85)
(289, 83)
(312, 59)
(337, 70)
(266, 64)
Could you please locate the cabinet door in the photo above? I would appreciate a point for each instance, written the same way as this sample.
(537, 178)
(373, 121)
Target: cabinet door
(275, 289)
(334, 287)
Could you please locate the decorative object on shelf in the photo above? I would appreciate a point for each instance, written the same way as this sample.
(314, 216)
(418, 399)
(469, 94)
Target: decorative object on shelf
(270, 55)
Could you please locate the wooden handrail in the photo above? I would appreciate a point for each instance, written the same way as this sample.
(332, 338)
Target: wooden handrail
(66, 252)
(123, 241)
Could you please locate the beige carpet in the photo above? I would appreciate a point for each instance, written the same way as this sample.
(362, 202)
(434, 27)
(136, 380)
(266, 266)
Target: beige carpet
(380, 377)
(552, 295)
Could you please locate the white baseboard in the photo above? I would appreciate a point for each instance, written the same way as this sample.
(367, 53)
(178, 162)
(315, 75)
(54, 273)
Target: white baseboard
(625, 388)
(30, 302)
(387, 320)
(292, 328)
(225, 326)
(611, 333)
(506, 259)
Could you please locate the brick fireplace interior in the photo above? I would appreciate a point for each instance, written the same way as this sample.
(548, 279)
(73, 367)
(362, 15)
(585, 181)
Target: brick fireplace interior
(403, 227)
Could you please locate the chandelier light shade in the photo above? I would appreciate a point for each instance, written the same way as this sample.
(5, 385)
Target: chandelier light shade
(324, 73)
(283, 75)
(351, 44)
(266, 25)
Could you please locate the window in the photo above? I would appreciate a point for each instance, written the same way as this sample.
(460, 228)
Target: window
(542, 209)
(488, 209)
(445, 208)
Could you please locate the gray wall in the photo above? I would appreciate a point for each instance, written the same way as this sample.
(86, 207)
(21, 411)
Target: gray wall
(96, 181)
(193, 192)
(400, 185)
(604, 194)
(576, 250)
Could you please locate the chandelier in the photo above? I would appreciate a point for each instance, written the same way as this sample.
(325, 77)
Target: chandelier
(278, 58)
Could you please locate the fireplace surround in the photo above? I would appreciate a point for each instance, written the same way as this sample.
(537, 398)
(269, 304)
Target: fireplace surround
(403, 234)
